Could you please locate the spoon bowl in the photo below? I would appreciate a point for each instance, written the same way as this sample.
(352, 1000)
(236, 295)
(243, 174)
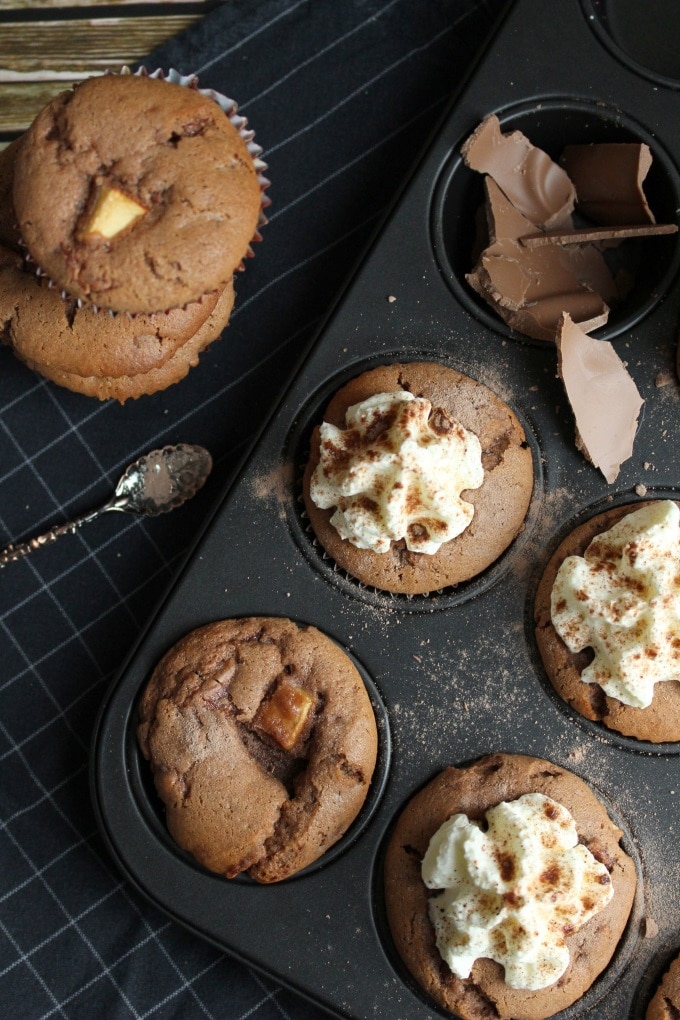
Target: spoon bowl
(162, 480)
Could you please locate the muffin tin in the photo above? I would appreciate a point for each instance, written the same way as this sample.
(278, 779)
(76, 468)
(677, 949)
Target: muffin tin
(453, 675)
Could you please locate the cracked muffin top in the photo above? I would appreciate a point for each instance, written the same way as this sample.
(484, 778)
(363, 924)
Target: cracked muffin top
(262, 742)
(136, 194)
(496, 502)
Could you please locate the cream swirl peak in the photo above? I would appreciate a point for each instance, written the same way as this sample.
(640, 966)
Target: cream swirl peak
(622, 599)
(397, 471)
(514, 892)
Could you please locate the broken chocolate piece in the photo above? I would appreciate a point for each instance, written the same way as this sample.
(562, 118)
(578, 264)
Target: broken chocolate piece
(596, 235)
(528, 212)
(536, 186)
(531, 288)
(592, 270)
(603, 397)
(609, 179)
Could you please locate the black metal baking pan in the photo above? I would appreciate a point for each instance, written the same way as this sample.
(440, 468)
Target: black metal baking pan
(453, 675)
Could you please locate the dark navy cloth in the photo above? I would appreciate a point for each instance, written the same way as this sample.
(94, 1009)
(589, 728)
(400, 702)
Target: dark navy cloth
(342, 95)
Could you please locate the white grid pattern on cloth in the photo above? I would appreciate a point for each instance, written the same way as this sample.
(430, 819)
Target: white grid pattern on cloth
(77, 940)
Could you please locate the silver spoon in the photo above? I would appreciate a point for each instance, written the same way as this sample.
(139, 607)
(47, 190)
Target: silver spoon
(157, 482)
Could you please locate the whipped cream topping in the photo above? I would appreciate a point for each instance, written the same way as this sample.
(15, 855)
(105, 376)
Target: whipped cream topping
(514, 892)
(622, 599)
(397, 471)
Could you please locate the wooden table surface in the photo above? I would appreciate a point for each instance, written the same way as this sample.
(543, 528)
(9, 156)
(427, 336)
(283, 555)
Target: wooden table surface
(46, 46)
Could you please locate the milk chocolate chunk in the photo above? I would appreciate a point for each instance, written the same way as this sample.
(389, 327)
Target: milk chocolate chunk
(283, 717)
(537, 187)
(597, 235)
(603, 397)
(530, 288)
(609, 179)
(567, 271)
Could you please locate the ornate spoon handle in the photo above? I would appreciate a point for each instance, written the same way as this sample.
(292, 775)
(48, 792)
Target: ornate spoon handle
(154, 484)
(20, 549)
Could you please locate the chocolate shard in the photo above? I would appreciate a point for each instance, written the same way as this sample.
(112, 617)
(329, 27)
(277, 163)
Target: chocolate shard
(597, 235)
(530, 289)
(603, 396)
(609, 179)
(536, 186)
(591, 269)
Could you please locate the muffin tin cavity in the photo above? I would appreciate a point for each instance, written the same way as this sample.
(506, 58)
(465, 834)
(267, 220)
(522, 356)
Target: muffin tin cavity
(602, 985)
(641, 35)
(596, 728)
(151, 810)
(297, 453)
(551, 124)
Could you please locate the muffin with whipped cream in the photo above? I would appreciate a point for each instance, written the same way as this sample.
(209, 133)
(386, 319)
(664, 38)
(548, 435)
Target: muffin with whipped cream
(607, 618)
(507, 889)
(418, 479)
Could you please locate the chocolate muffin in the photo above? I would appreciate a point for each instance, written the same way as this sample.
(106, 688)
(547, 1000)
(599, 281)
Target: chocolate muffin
(665, 1004)
(59, 335)
(660, 721)
(498, 506)
(136, 194)
(145, 383)
(472, 791)
(262, 742)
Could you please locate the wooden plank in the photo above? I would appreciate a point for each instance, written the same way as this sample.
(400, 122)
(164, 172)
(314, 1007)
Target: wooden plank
(49, 45)
(80, 47)
(34, 5)
(19, 103)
